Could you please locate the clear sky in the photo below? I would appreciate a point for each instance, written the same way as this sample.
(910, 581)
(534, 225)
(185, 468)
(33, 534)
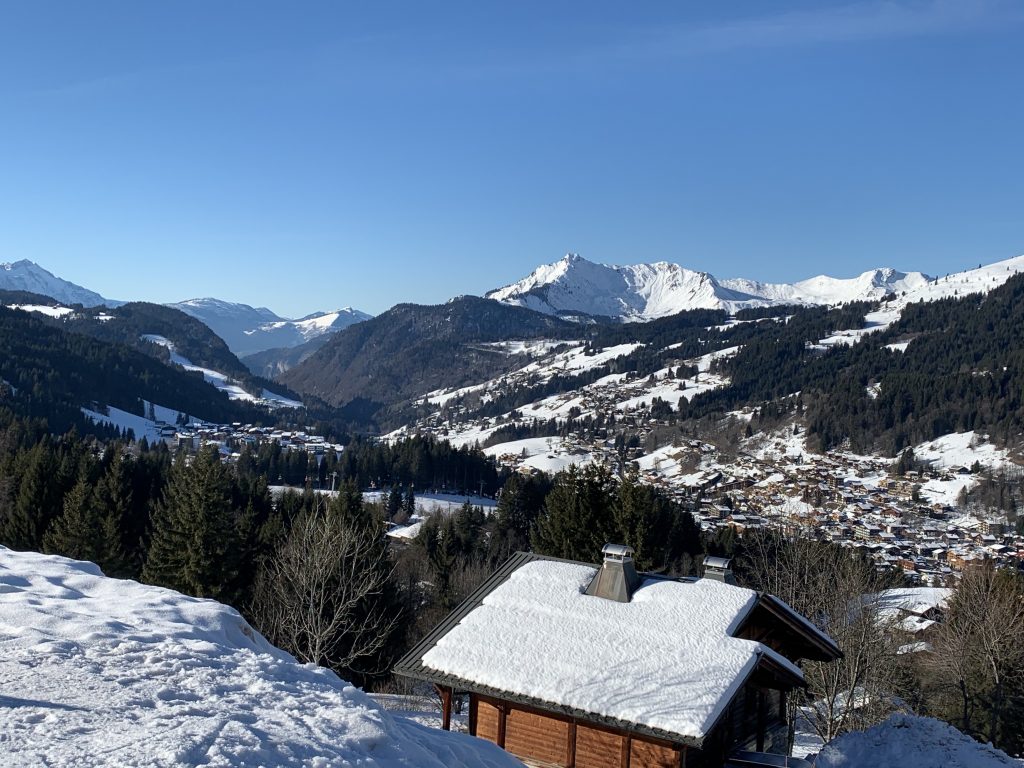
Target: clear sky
(307, 156)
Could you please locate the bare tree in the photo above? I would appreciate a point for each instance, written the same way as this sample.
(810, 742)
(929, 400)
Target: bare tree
(976, 670)
(323, 594)
(833, 587)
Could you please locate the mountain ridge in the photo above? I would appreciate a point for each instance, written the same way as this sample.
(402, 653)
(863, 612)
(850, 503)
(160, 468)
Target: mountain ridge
(251, 330)
(648, 291)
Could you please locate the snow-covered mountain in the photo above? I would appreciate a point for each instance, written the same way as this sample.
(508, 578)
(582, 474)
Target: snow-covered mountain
(647, 291)
(248, 330)
(872, 285)
(26, 275)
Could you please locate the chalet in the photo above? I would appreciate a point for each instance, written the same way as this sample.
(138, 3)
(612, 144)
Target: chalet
(914, 612)
(571, 664)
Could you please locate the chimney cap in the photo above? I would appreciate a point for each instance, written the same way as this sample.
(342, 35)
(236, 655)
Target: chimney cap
(616, 552)
(717, 569)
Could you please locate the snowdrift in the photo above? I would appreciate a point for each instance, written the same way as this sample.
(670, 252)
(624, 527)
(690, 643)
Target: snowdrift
(104, 672)
(911, 742)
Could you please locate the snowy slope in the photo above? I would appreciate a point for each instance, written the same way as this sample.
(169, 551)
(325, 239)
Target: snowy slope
(971, 281)
(248, 330)
(139, 425)
(980, 280)
(647, 291)
(104, 672)
(26, 275)
(221, 381)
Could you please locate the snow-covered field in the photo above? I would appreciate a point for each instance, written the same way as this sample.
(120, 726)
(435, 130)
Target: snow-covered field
(104, 672)
(958, 450)
(43, 309)
(432, 503)
(547, 454)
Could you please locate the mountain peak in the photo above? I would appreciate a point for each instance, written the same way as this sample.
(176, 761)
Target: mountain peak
(25, 275)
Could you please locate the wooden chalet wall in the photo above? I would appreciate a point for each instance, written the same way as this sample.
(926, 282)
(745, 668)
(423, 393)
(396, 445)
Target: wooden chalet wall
(550, 740)
(754, 721)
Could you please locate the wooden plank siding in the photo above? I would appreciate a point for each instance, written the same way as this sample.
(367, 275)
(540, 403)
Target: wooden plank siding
(644, 754)
(542, 738)
(486, 720)
(597, 748)
(529, 734)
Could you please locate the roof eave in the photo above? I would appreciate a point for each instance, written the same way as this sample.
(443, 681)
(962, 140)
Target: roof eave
(829, 650)
(467, 686)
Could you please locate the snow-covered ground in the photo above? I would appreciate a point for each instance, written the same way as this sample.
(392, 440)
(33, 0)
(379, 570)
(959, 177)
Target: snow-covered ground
(962, 449)
(547, 454)
(221, 381)
(433, 503)
(43, 309)
(958, 449)
(429, 504)
(105, 672)
(911, 742)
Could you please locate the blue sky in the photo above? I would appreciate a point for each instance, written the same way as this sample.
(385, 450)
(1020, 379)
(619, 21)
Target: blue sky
(307, 156)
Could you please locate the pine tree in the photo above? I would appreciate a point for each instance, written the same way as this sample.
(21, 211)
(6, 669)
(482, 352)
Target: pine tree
(113, 500)
(37, 501)
(512, 522)
(409, 503)
(577, 520)
(77, 533)
(195, 541)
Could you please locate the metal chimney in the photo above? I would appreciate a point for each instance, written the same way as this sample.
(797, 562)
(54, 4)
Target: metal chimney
(617, 578)
(718, 569)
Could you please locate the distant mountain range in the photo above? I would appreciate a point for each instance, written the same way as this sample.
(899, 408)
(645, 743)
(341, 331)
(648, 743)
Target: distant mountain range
(28, 276)
(575, 286)
(248, 330)
(377, 370)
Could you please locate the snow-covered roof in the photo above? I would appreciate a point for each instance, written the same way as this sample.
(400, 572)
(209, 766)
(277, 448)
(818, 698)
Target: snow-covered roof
(914, 600)
(665, 661)
(106, 672)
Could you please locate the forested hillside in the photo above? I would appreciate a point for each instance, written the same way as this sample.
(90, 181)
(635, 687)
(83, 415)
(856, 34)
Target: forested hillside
(50, 373)
(412, 349)
(952, 365)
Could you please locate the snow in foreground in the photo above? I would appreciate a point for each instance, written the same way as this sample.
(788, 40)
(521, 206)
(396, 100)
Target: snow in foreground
(103, 672)
(911, 742)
